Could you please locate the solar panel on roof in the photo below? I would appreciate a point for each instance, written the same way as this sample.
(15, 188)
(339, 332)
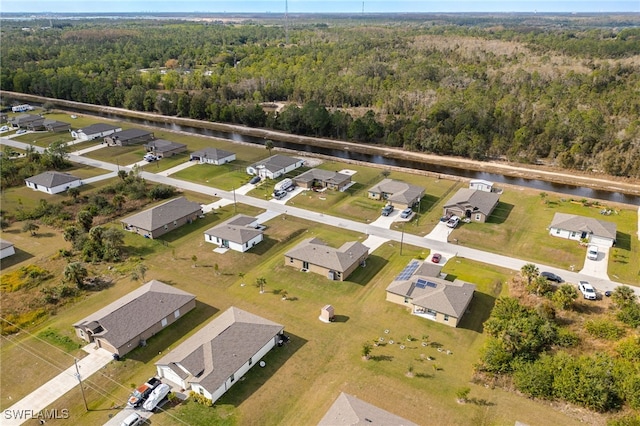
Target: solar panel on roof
(432, 285)
(421, 283)
(408, 271)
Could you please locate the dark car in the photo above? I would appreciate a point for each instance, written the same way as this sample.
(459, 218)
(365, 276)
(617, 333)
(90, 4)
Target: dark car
(387, 210)
(278, 195)
(142, 392)
(254, 180)
(551, 277)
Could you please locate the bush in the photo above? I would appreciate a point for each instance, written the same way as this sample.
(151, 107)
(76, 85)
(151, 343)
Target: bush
(567, 338)
(200, 399)
(603, 329)
(630, 314)
(160, 192)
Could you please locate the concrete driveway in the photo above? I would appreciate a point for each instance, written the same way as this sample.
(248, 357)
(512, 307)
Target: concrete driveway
(441, 232)
(48, 393)
(386, 221)
(597, 268)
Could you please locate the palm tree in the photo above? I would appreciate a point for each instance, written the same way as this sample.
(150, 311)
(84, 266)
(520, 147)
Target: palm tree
(529, 271)
(30, 226)
(75, 272)
(268, 145)
(261, 282)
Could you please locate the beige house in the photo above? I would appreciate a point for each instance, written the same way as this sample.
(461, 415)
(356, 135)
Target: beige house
(128, 322)
(347, 410)
(474, 204)
(128, 137)
(318, 178)
(428, 296)
(163, 218)
(314, 255)
(400, 194)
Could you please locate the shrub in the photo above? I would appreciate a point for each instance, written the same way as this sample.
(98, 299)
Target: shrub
(27, 276)
(200, 399)
(630, 314)
(603, 329)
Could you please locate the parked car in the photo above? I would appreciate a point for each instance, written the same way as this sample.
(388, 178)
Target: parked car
(254, 180)
(592, 252)
(4, 128)
(279, 195)
(21, 131)
(133, 419)
(156, 396)
(142, 392)
(150, 157)
(406, 213)
(436, 257)
(551, 277)
(387, 210)
(587, 290)
(453, 221)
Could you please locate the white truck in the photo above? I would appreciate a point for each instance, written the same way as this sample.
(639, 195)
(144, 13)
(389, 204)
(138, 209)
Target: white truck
(156, 396)
(283, 185)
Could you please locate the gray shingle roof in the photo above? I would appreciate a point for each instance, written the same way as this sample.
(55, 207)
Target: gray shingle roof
(162, 145)
(277, 162)
(136, 312)
(481, 201)
(328, 176)
(163, 214)
(317, 252)
(213, 153)
(125, 135)
(5, 244)
(236, 229)
(400, 192)
(348, 410)
(97, 128)
(571, 222)
(221, 347)
(52, 179)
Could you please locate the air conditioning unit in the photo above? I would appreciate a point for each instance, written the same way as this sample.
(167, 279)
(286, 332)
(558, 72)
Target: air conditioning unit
(304, 270)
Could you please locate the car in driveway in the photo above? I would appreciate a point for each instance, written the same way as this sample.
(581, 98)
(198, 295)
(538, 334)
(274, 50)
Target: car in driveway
(592, 252)
(133, 419)
(436, 257)
(279, 195)
(587, 290)
(21, 132)
(551, 277)
(156, 397)
(453, 221)
(406, 213)
(254, 180)
(387, 210)
(142, 392)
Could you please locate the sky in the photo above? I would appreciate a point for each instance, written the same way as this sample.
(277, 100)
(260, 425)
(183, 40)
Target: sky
(316, 6)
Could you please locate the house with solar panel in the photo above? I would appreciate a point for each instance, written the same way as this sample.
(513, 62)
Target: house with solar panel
(426, 294)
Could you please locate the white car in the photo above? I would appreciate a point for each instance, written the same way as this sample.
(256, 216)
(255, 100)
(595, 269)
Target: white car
(134, 419)
(4, 128)
(156, 396)
(453, 221)
(150, 157)
(592, 252)
(587, 290)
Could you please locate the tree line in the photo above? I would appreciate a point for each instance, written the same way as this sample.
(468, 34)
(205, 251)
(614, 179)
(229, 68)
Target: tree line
(562, 96)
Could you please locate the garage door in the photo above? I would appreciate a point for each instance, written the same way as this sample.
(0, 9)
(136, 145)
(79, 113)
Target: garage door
(600, 241)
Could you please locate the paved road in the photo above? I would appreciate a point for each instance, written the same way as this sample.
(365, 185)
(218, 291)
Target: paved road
(47, 394)
(515, 264)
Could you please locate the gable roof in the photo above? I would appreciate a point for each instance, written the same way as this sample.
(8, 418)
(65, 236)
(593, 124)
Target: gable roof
(349, 410)
(135, 312)
(317, 252)
(52, 179)
(5, 244)
(163, 214)
(328, 176)
(467, 198)
(220, 348)
(213, 153)
(276, 162)
(236, 229)
(450, 298)
(55, 123)
(97, 128)
(24, 118)
(400, 192)
(575, 223)
(125, 135)
(162, 145)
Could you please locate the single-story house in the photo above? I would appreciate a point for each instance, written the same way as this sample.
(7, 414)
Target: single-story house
(430, 296)
(56, 126)
(6, 249)
(347, 410)
(574, 227)
(319, 178)
(163, 148)
(472, 204)
(399, 194)
(163, 218)
(481, 185)
(35, 125)
(95, 131)
(23, 120)
(53, 182)
(220, 353)
(128, 137)
(128, 322)
(314, 255)
(240, 233)
(212, 156)
(274, 166)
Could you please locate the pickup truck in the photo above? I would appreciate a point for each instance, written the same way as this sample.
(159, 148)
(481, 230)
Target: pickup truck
(142, 392)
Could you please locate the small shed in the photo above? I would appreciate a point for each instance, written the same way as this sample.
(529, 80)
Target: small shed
(326, 314)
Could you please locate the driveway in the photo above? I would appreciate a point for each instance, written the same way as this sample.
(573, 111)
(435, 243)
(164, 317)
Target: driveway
(386, 221)
(47, 394)
(441, 232)
(597, 268)
(177, 168)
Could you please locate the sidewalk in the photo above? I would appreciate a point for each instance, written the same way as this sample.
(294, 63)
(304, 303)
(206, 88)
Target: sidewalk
(48, 393)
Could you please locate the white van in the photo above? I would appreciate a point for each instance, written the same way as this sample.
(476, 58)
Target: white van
(156, 396)
(283, 185)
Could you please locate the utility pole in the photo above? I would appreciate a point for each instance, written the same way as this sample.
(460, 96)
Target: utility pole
(86, 407)
(235, 207)
(401, 239)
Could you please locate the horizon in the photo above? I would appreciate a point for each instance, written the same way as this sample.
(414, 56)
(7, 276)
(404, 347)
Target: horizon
(315, 6)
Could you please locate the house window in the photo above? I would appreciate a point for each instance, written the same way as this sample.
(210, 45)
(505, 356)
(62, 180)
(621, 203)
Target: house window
(446, 317)
(232, 379)
(81, 333)
(558, 231)
(166, 227)
(406, 300)
(305, 265)
(250, 361)
(573, 234)
(478, 216)
(291, 260)
(163, 322)
(200, 391)
(176, 314)
(175, 223)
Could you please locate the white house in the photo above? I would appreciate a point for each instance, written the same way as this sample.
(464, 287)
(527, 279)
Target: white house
(212, 156)
(481, 185)
(573, 227)
(219, 354)
(240, 233)
(95, 131)
(53, 182)
(6, 249)
(274, 166)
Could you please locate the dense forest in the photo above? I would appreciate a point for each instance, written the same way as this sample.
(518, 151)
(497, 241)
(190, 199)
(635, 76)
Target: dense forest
(558, 90)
